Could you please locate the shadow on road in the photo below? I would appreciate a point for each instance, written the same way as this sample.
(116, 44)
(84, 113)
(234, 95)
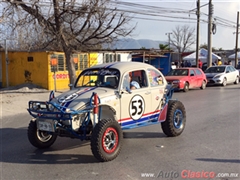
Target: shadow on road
(219, 160)
(143, 135)
(17, 149)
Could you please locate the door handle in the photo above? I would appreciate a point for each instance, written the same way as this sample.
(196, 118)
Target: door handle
(148, 92)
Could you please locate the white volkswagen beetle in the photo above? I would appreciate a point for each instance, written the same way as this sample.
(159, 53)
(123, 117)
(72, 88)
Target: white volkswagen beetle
(102, 103)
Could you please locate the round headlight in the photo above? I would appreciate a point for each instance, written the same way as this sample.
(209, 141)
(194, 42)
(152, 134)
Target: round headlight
(51, 107)
(35, 106)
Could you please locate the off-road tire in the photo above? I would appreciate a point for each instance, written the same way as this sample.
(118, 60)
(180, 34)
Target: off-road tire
(39, 139)
(186, 87)
(107, 130)
(204, 84)
(176, 119)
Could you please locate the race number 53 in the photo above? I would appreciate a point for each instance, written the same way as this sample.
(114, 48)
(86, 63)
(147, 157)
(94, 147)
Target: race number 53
(136, 107)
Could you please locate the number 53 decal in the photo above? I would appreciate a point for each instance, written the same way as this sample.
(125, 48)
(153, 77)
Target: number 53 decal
(136, 107)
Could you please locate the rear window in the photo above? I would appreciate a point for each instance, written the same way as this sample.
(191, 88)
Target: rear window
(198, 72)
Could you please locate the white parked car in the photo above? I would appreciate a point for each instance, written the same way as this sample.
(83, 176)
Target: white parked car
(222, 75)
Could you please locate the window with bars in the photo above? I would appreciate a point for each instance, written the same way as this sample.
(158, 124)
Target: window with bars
(119, 57)
(83, 61)
(61, 62)
(107, 58)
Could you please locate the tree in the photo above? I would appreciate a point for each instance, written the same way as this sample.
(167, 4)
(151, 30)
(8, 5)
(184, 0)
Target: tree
(163, 47)
(182, 38)
(70, 25)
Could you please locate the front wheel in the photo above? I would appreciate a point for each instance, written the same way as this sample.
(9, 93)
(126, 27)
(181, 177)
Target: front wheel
(186, 87)
(176, 119)
(106, 140)
(40, 139)
(224, 83)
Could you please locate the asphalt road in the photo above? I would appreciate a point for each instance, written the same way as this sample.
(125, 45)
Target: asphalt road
(210, 144)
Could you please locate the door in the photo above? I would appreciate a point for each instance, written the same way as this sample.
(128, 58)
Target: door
(157, 87)
(230, 75)
(135, 104)
(193, 81)
(199, 77)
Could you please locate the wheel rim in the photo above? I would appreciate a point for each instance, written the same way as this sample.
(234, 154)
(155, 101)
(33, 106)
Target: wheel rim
(186, 87)
(110, 140)
(204, 85)
(237, 80)
(224, 82)
(178, 119)
(43, 136)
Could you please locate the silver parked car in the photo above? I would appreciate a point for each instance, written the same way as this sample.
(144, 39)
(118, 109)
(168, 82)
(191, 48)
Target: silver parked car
(222, 75)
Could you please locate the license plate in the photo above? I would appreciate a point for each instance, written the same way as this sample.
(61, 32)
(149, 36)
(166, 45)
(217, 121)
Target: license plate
(44, 125)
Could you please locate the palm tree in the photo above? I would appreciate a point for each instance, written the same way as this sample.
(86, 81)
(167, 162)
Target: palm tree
(163, 47)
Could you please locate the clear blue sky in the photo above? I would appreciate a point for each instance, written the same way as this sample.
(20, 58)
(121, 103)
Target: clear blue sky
(156, 27)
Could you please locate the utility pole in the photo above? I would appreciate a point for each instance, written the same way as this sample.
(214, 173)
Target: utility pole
(197, 43)
(6, 61)
(210, 12)
(236, 48)
(169, 38)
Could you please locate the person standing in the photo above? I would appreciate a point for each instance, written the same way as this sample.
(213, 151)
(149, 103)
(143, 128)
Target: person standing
(200, 63)
(219, 63)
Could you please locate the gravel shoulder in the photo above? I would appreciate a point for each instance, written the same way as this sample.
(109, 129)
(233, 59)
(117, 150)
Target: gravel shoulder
(14, 100)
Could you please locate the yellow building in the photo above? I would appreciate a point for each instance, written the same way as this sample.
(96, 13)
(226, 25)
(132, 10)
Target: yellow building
(36, 68)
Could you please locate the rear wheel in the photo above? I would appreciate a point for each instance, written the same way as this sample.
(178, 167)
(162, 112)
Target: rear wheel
(176, 119)
(40, 139)
(186, 87)
(106, 140)
(224, 83)
(204, 84)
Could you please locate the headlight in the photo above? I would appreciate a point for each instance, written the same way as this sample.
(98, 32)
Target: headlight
(217, 76)
(176, 81)
(35, 106)
(51, 107)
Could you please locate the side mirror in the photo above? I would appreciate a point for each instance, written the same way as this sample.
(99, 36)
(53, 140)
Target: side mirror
(191, 74)
(227, 71)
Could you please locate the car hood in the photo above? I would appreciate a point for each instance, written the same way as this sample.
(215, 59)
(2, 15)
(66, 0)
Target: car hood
(80, 97)
(211, 75)
(172, 78)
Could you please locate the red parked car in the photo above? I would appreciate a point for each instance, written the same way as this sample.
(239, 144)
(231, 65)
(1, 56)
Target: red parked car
(187, 78)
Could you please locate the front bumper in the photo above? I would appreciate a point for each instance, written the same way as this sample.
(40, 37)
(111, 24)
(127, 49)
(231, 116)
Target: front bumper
(214, 81)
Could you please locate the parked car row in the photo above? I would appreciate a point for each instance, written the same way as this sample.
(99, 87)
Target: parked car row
(190, 77)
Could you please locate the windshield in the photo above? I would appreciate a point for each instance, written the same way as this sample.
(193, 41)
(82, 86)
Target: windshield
(98, 78)
(215, 69)
(178, 72)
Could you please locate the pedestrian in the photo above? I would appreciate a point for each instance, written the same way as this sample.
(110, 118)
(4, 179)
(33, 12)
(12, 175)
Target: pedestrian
(200, 63)
(173, 66)
(219, 63)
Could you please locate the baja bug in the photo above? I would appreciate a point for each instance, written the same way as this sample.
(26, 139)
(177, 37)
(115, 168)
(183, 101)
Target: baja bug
(101, 104)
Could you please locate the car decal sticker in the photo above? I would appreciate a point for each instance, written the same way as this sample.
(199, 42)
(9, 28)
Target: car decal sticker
(66, 101)
(149, 118)
(136, 107)
(111, 65)
(147, 115)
